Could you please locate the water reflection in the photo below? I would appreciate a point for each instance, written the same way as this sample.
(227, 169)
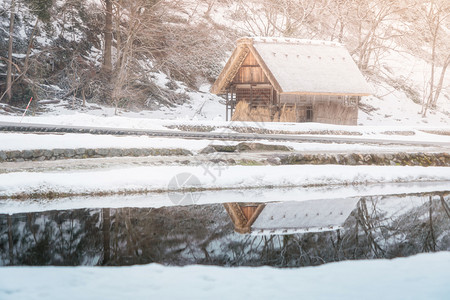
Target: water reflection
(281, 234)
(290, 217)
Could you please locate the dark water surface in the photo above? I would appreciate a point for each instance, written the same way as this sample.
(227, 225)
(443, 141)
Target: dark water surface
(281, 234)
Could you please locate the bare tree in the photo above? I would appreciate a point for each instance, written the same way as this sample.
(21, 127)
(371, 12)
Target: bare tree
(436, 14)
(10, 49)
(339, 9)
(275, 18)
(41, 10)
(372, 19)
(134, 23)
(107, 55)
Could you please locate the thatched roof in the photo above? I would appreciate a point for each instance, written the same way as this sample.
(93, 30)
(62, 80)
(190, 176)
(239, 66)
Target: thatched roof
(298, 66)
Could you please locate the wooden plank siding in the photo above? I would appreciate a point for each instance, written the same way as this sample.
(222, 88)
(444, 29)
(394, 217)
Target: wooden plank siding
(254, 96)
(342, 110)
(324, 112)
(252, 85)
(335, 113)
(250, 72)
(249, 210)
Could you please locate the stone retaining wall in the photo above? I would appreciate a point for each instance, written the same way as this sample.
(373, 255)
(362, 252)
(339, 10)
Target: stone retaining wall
(401, 159)
(53, 154)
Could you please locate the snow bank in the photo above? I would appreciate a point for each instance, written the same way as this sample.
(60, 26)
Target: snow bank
(30, 141)
(20, 141)
(212, 177)
(156, 200)
(423, 276)
(160, 122)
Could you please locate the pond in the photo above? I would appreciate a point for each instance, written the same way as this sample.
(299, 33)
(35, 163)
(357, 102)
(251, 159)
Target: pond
(280, 234)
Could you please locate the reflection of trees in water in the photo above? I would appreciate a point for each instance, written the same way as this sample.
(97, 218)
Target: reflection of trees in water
(368, 233)
(417, 230)
(58, 238)
(177, 235)
(204, 234)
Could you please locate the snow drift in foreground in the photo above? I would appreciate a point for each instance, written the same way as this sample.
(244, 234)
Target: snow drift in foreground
(154, 178)
(423, 276)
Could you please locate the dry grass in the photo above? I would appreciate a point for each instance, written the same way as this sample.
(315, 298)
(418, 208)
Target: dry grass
(276, 117)
(288, 114)
(260, 114)
(243, 112)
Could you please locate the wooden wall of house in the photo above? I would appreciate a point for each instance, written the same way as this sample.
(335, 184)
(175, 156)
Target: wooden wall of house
(335, 113)
(251, 84)
(250, 72)
(325, 112)
(322, 108)
(255, 96)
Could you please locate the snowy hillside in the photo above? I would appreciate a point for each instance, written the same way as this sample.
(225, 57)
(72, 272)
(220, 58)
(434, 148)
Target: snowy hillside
(182, 46)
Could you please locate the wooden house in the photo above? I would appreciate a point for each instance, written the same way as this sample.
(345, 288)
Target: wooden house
(317, 80)
(290, 217)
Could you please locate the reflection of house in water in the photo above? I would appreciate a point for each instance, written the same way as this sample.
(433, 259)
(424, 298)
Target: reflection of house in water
(290, 217)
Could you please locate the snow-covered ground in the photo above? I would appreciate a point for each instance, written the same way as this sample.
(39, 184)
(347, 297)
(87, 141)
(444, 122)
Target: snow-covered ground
(146, 120)
(156, 200)
(424, 276)
(19, 141)
(393, 111)
(31, 141)
(402, 133)
(395, 107)
(157, 178)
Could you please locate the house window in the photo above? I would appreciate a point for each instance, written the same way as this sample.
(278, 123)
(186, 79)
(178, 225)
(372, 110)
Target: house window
(309, 114)
(350, 101)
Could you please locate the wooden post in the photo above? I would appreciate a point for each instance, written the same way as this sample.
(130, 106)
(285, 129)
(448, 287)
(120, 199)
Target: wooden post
(227, 104)
(272, 104)
(233, 100)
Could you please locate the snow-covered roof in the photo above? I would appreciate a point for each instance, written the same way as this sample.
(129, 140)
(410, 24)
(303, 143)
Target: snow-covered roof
(301, 66)
(280, 40)
(303, 216)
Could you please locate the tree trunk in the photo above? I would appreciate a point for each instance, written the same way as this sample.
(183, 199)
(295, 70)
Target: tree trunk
(341, 31)
(10, 46)
(30, 46)
(107, 59)
(429, 99)
(84, 97)
(434, 32)
(441, 81)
